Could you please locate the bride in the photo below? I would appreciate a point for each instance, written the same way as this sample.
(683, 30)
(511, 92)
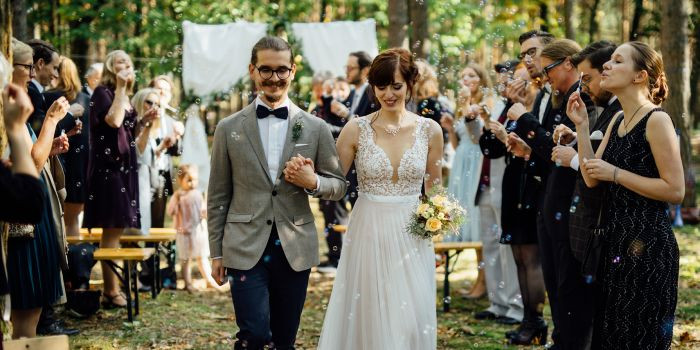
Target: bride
(384, 291)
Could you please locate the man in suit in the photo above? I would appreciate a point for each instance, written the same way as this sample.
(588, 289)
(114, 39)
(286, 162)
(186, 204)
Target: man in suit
(261, 228)
(568, 294)
(93, 77)
(46, 60)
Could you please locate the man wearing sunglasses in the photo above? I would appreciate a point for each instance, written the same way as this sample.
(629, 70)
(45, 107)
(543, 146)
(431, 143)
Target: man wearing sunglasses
(265, 161)
(569, 295)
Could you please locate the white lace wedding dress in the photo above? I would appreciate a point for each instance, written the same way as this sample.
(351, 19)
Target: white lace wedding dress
(384, 292)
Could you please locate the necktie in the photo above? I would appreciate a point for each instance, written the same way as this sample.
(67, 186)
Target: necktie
(264, 112)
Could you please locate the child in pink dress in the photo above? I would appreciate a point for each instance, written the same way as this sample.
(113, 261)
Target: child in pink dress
(189, 212)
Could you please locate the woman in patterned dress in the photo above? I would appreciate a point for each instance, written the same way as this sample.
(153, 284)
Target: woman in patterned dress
(639, 161)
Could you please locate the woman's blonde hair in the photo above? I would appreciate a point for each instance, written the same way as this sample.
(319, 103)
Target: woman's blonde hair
(21, 50)
(68, 78)
(139, 100)
(427, 85)
(109, 76)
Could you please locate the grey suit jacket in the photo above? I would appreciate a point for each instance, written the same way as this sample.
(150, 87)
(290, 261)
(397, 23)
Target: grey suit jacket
(243, 203)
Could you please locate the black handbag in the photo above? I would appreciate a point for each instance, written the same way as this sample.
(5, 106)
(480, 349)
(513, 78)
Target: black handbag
(594, 248)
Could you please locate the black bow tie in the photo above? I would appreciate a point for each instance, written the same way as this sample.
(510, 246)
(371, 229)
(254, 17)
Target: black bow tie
(264, 112)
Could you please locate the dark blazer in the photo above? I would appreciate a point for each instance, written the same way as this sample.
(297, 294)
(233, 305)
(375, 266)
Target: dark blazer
(36, 119)
(587, 202)
(559, 181)
(519, 190)
(367, 103)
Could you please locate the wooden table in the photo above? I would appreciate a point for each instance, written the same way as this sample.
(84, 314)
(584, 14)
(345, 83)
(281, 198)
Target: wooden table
(157, 236)
(444, 248)
(129, 256)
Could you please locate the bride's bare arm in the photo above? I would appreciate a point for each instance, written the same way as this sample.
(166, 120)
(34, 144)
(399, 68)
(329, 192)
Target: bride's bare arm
(433, 170)
(347, 145)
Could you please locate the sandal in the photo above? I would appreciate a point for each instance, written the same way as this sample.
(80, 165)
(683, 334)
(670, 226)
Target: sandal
(112, 302)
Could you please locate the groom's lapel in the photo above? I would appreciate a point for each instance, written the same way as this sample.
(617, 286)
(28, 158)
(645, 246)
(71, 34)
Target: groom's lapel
(252, 132)
(295, 114)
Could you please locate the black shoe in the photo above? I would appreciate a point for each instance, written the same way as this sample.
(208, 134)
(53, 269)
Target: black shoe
(507, 320)
(145, 288)
(56, 329)
(512, 333)
(531, 333)
(485, 315)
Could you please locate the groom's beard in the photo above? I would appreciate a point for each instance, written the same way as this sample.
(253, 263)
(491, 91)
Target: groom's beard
(281, 84)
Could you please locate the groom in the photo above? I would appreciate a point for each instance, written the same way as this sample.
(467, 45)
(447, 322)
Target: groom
(261, 229)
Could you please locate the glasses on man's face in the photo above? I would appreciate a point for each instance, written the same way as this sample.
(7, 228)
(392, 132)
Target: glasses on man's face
(29, 67)
(266, 72)
(530, 52)
(551, 66)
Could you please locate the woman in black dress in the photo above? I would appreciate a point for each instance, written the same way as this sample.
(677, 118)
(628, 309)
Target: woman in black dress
(639, 160)
(519, 216)
(77, 127)
(113, 197)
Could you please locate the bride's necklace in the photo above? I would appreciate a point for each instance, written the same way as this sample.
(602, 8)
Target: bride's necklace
(393, 131)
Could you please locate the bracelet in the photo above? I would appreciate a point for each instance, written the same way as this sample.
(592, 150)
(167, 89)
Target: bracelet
(615, 176)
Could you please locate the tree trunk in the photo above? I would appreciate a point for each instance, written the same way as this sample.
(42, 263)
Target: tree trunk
(19, 20)
(625, 21)
(695, 73)
(676, 53)
(398, 15)
(593, 24)
(544, 14)
(569, 19)
(419, 28)
(636, 19)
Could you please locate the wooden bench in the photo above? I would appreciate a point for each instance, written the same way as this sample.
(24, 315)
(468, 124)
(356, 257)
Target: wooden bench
(157, 236)
(443, 248)
(55, 342)
(129, 256)
(152, 230)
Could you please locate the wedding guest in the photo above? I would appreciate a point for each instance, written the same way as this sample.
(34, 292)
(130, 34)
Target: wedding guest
(518, 215)
(317, 91)
(464, 136)
(35, 252)
(146, 103)
(113, 193)
(75, 160)
(188, 210)
(24, 195)
(640, 164)
(570, 296)
(93, 77)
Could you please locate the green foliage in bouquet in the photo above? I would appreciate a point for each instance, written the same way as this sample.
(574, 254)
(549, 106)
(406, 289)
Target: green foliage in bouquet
(437, 214)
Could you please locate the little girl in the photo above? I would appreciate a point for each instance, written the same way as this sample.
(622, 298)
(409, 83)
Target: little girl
(188, 209)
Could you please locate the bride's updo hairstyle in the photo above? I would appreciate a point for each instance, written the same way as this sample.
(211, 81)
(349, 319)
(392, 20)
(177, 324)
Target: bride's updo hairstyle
(645, 58)
(381, 72)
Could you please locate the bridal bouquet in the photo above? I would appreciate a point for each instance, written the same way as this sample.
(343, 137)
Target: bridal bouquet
(437, 214)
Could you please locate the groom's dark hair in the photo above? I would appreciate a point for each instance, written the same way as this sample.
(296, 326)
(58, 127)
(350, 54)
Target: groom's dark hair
(271, 43)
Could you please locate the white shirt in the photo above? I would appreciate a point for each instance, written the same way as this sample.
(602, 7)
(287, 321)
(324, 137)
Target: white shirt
(359, 92)
(38, 85)
(545, 99)
(273, 134)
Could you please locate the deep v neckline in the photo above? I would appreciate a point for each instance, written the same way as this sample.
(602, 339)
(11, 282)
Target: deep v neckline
(395, 170)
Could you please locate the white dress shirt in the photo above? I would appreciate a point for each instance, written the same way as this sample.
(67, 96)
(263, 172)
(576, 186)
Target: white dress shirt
(273, 134)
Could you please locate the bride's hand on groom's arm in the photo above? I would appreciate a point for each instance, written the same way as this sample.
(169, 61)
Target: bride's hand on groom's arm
(300, 172)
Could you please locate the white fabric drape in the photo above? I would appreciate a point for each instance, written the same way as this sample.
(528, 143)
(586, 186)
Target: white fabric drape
(326, 45)
(195, 150)
(215, 57)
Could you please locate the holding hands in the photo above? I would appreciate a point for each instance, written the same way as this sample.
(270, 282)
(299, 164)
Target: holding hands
(576, 109)
(599, 169)
(562, 155)
(17, 107)
(563, 135)
(516, 145)
(516, 111)
(300, 171)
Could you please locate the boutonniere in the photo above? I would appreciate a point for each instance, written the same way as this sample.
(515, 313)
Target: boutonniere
(296, 130)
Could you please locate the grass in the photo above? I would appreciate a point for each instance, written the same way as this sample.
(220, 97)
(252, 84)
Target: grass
(178, 320)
